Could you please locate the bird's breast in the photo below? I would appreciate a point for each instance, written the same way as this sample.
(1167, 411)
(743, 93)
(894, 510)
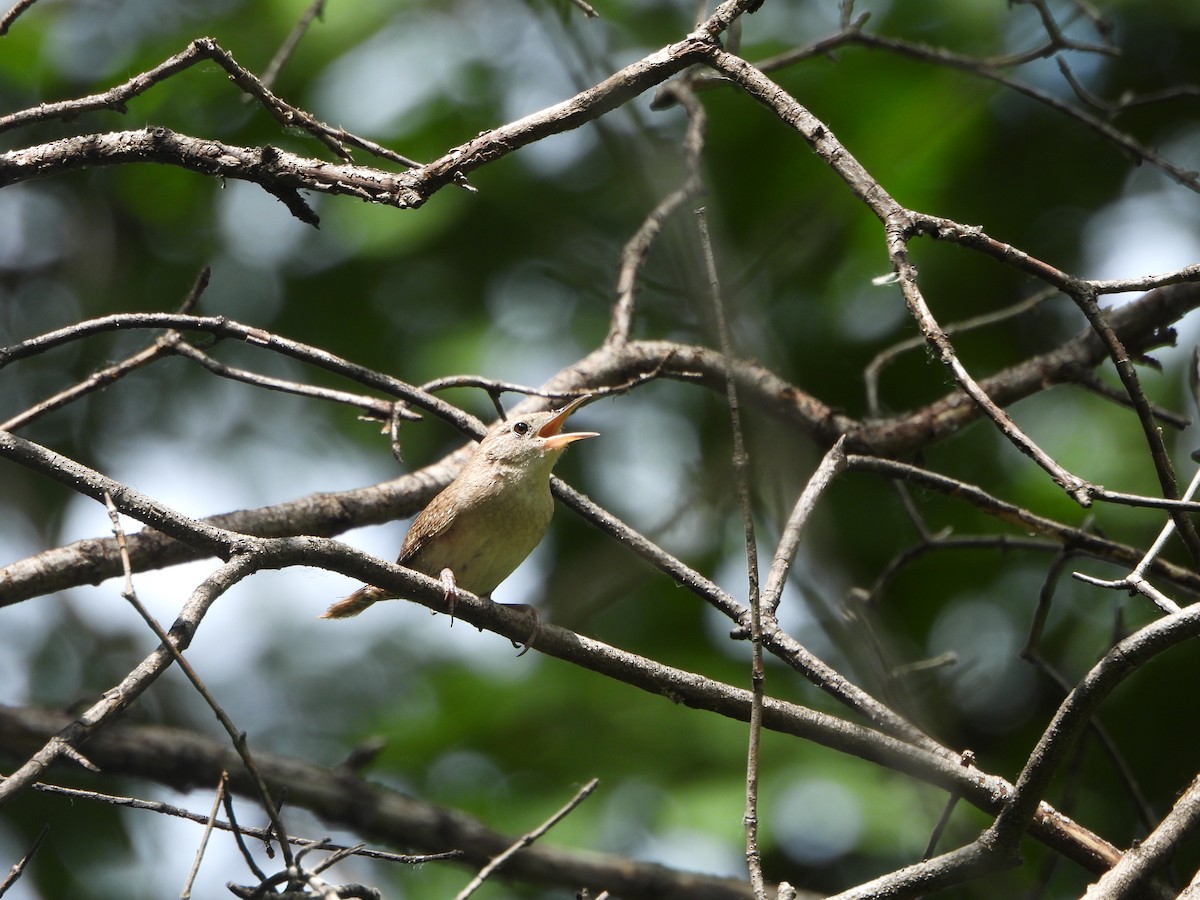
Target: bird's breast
(487, 539)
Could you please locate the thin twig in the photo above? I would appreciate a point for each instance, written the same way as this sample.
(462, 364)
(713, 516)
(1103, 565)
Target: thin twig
(791, 652)
(197, 51)
(1128, 100)
(741, 466)
(886, 357)
(940, 826)
(314, 11)
(130, 687)
(238, 737)
(1136, 580)
(632, 539)
(527, 839)
(1075, 487)
(239, 838)
(218, 797)
(1079, 539)
(946, 540)
(637, 248)
(1108, 744)
(992, 69)
(19, 866)
(168, 809)
(1085, 298)
(224, 328)
(94, 382)
(382, 410)
(833, 462)
(1089, 381)
(111, 374)
(11, 16)
(974, 861)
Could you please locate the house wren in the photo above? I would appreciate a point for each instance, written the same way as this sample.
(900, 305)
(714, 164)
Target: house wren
(488, 519)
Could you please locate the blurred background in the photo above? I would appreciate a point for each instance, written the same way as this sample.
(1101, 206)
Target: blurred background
(514, 282)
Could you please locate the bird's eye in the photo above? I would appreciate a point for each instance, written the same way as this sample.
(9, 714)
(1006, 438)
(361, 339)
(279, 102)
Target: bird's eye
(521, 428)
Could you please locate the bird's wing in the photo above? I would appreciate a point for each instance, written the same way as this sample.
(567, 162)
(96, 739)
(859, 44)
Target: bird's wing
(433, 521)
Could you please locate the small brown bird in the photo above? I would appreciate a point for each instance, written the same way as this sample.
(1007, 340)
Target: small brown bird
(488, 519)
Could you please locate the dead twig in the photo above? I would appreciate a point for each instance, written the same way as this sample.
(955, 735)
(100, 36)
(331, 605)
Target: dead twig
(526, 840)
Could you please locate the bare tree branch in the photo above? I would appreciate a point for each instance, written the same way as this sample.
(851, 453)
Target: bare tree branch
(13, 13)
(869, 444)
(184, 760)
(1140, 862)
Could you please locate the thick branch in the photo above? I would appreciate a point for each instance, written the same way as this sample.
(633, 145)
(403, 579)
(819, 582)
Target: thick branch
(185, 760)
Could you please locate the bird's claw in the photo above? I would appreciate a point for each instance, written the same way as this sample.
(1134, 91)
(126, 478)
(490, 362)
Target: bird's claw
(447, 579)
(537, 626)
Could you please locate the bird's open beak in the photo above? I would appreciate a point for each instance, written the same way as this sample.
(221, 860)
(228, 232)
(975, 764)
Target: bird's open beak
(550, 431)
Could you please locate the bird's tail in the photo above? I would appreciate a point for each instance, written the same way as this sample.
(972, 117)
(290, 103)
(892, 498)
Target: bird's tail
(355, 603)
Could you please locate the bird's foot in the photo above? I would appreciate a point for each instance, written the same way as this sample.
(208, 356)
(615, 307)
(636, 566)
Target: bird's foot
(536, 621)
(451, 586)
(448, 582)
